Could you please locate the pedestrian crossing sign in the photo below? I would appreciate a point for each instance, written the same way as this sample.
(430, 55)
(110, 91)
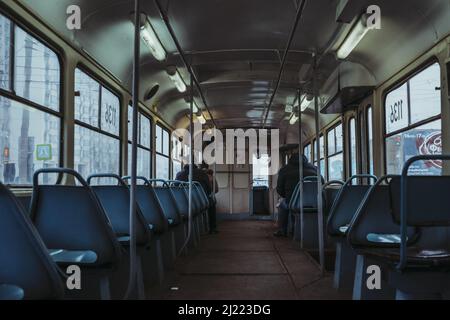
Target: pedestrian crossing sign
(44, 152)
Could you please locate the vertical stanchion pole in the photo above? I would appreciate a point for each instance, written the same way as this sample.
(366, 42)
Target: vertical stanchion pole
(319, 174)
(136, 61)
(300, 167)
(191, 156)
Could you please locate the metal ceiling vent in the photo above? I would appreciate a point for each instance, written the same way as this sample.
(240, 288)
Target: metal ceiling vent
(346, 87)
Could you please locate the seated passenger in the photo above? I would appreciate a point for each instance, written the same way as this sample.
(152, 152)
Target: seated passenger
(288, 178)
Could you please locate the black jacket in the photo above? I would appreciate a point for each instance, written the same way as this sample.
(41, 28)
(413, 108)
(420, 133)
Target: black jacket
(288, 176)
(197, 175)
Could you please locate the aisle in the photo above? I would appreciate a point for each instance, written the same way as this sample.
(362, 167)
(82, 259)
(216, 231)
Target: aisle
(244, 261)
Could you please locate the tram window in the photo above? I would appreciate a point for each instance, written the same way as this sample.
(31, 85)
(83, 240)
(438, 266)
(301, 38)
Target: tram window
(425, 139)
(5, 53)
(30, 135)
(352, 149)
(37, 148)
(307, 152)
(335, 154)
(37, 74)
(144, 139)
(97, 143)
(95, 152)
(260, 170)
(110, 112)
(421, 102)
(162, 153)
(87, 98)
(322, 154)
(176, 155)
(370, 139)
(425, 95)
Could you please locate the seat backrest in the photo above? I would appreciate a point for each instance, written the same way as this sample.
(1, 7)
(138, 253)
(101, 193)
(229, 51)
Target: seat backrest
(202, 196)
(72, 218)
(24, 260)
(179, 193)
(427, 200)
(151, 208)
(330, 194)
(310, 194)
(345, 207)
(294, 202)
(374, 217)
(168, 203)
(116, 202)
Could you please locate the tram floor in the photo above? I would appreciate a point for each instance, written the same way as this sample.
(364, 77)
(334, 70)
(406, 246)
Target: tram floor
(245, 262)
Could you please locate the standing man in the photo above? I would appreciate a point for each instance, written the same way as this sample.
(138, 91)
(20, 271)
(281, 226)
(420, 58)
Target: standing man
(212, 199)
(288, 178)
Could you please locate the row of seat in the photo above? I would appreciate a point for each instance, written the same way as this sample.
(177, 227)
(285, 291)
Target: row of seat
(397, 230)
(87, 225)
(306, 227)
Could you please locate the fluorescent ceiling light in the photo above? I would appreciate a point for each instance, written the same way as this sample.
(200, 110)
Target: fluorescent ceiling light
(201, 118)
(150, 38)
(294, 119)
(304, 103)
(175, 76)
(355, 36)
(288, 109)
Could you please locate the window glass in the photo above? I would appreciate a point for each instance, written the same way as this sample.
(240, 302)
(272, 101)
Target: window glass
(370, 139)
(339, 139)
(5, 49)
(336, 167)
(145, 131)
(307, 152)
(423, 140)
(322, 147)
(29, 140)
(87, 98)
(159, 139)
(176, 168)
(37, 71)
(425, 95)
(162, 167)
(110, 110)
(143, 162)
(423, 103)
(130, 122)
(331, 142)
(353, 150)
(416, 100)
(166, 143)
(397, 111)
(335, 155)
(95, 152)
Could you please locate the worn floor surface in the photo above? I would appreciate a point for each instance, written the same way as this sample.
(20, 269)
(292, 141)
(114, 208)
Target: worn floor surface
(245, 262)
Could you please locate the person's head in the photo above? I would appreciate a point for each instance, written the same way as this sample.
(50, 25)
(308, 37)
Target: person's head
(204, 166)
(186, 167)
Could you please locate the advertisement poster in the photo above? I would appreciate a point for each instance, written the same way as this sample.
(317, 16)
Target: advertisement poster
(423, 142)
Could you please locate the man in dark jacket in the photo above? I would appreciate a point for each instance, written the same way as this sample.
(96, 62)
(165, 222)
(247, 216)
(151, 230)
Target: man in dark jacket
(197, 175)
(288, 178)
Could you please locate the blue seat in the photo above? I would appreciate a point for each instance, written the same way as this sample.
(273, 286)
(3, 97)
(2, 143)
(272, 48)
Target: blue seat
(26, 269)
(343, 210)
(70, 218)
(115, 199)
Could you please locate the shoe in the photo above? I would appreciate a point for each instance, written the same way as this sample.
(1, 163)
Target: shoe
(279, 234)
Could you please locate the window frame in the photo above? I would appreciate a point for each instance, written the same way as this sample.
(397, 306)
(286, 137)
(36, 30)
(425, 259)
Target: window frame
(397, 85)
(141, 113)
(163, 129)
(11, 93)
(369, 131)
(333, 128)
(102, 84)
(355, 133)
